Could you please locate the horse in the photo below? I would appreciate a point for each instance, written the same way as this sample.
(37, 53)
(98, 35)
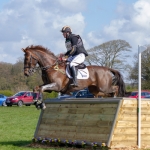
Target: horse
(101, 79)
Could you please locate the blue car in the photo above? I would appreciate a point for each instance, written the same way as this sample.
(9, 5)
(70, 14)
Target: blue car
(77, 94)
(3, 100)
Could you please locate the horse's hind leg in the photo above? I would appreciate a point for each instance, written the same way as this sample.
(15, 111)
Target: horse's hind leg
(94, 90)
(97, 93)
(115, 90)
(111, 92)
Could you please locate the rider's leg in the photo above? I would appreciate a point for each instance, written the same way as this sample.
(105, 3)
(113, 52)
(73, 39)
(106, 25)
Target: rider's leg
(76, 61)
(74, 75)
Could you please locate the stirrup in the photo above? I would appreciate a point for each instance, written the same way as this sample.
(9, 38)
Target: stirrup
(73, 84)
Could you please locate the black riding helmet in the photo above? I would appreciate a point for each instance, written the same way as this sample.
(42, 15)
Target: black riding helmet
(66, 29)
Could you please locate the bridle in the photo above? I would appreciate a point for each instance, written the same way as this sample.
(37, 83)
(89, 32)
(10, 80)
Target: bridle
(33, 69)
(29, 66)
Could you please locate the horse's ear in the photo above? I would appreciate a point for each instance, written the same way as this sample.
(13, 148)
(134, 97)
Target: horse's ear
(23, 50)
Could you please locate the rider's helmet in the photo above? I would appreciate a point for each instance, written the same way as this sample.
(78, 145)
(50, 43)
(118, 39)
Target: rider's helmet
(66, 29)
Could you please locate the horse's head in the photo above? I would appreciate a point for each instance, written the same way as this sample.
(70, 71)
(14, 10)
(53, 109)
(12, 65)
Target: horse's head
(38, 55)
(30, 62)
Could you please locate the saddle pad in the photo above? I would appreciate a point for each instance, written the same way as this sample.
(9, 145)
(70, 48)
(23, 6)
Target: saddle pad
(81, 73)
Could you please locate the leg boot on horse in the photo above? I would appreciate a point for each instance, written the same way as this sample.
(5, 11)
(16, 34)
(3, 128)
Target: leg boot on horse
(40, 105)
(38, 102)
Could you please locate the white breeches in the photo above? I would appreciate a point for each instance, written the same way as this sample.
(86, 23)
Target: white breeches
(77, 60)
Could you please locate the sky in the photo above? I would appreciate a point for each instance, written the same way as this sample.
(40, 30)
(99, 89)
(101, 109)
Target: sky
(38, 22)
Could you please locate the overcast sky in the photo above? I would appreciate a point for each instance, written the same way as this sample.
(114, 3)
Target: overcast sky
(38, 22)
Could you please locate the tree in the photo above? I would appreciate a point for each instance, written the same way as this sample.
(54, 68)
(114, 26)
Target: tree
(133, 72)
(145, 69)
(13, 79)
(112, 54)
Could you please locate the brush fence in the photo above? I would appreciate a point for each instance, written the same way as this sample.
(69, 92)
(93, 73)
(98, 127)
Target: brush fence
(112, 121)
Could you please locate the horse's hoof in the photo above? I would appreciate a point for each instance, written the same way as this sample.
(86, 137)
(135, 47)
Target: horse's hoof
(38, 107)
(43, 106)
(35, 100)
(39, 101)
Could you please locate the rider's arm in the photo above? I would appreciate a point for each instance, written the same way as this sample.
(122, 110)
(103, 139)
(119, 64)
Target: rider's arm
(74, 41)
(73, 50)
(67, 53)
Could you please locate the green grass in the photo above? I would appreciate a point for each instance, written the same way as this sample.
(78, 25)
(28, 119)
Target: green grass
(17, 127)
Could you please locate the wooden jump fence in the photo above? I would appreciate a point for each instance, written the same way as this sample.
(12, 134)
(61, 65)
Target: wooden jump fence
(112, 121)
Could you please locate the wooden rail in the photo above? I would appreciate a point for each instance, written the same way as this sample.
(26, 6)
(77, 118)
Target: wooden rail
(112, 121)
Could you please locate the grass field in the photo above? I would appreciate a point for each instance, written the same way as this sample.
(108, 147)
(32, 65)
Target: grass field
(17, 127)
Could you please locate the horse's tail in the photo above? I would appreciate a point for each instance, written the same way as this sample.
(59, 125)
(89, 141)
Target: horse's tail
(118, 80)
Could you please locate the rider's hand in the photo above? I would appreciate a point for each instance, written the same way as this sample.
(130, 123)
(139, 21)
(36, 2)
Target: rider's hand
(64, 58)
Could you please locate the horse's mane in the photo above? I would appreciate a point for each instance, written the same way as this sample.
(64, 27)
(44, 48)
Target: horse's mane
(41, 48)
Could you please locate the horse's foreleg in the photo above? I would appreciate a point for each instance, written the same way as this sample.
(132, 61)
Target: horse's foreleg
(49, 87)
(36, 89)
(37, 99)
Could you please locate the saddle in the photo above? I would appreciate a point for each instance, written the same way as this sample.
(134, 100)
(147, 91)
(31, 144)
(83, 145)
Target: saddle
(80, 66)
(82, 71)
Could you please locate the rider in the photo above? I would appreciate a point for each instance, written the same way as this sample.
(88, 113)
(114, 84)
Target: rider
(76, 52)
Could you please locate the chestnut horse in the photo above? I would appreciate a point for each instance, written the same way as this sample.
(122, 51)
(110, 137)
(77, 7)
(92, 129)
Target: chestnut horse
(101, 79)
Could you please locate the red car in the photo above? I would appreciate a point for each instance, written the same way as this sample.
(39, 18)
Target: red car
(21, 98)
(134, 94)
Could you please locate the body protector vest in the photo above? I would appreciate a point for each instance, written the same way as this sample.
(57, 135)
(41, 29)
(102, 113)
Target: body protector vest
(78, 46)
(68, 45)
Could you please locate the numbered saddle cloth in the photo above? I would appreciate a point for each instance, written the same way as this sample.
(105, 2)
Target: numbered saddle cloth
(82, 71)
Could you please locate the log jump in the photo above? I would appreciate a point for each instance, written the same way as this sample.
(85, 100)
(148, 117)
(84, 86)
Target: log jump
(111, 120)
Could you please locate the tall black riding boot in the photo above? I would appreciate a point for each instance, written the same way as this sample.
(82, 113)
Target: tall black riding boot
(74, 75)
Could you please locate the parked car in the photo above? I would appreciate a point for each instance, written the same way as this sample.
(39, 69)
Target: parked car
(3, 100)
(21, 98)
(77, 94)
(147, 96)
(62, 96)
(144, 93)
(82, 94)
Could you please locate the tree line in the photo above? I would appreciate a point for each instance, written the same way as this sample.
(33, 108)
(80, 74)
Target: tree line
(116, 54)
(111, 54)
(13, 79)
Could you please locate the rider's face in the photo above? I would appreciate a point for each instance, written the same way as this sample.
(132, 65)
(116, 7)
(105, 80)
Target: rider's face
(64, 34)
